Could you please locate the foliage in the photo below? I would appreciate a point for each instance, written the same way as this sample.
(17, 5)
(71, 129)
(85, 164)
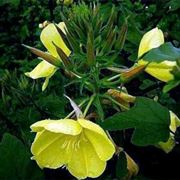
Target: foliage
(14, 151)
(108, 37)
(146, 117)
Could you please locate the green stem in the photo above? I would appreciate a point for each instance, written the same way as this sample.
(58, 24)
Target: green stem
(113, 77)
(89, 104)
(109, 83)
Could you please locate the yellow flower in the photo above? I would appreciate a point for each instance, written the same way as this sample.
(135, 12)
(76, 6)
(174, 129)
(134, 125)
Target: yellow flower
(49, 35)
(82, 146)
(169, 145)
(153, 39)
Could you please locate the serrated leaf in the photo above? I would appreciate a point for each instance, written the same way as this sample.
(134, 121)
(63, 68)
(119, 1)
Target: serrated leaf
(149, 119)
(164, 52)
(15, 161)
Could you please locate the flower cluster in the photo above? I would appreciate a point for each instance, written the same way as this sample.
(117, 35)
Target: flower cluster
(82, 146)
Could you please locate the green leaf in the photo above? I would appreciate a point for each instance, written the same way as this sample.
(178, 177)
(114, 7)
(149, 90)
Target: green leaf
(98, 105)
(174, 5)
(170, 85)
(90, 48)
(121, 166)
(146, 84)
(122, 36)
(11, 2)
(165, 52)
(15, 161)
(149, 119)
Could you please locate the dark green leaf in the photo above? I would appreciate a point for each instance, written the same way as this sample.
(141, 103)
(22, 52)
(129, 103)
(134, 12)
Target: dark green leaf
(15, 161)
(121, 166)
(52, 104)
(121, 37)
(174, 5)
(165, 52)
(90, 48)
(149, 119)
(99, 108)
(11, 2)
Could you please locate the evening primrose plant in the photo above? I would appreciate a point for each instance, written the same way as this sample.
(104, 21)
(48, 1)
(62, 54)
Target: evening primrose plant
(87, 49)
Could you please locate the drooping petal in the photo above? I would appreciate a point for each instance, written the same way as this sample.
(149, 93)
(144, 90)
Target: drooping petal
(65, 126)
(161, 71)
(152, 39)
(50, 35)
(85, 162)
(170, 144)
(39, 126)
(91, 126)
(175, 122)
(96, 135)
(43, 69)
(50, 149)
(45, 84)
(95, 166)
(62, 26)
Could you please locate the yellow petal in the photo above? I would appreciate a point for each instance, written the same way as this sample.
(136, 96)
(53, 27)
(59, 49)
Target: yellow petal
(43, 69)
(50, 149)
(175, 122)
(50, 35)
(96, 135)
(45, 84)
(161, 71)
(85, 162)
(152, 39)
(62, 26)
(92, 126)
(169, 145)
(65, 126)
(39, 126)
